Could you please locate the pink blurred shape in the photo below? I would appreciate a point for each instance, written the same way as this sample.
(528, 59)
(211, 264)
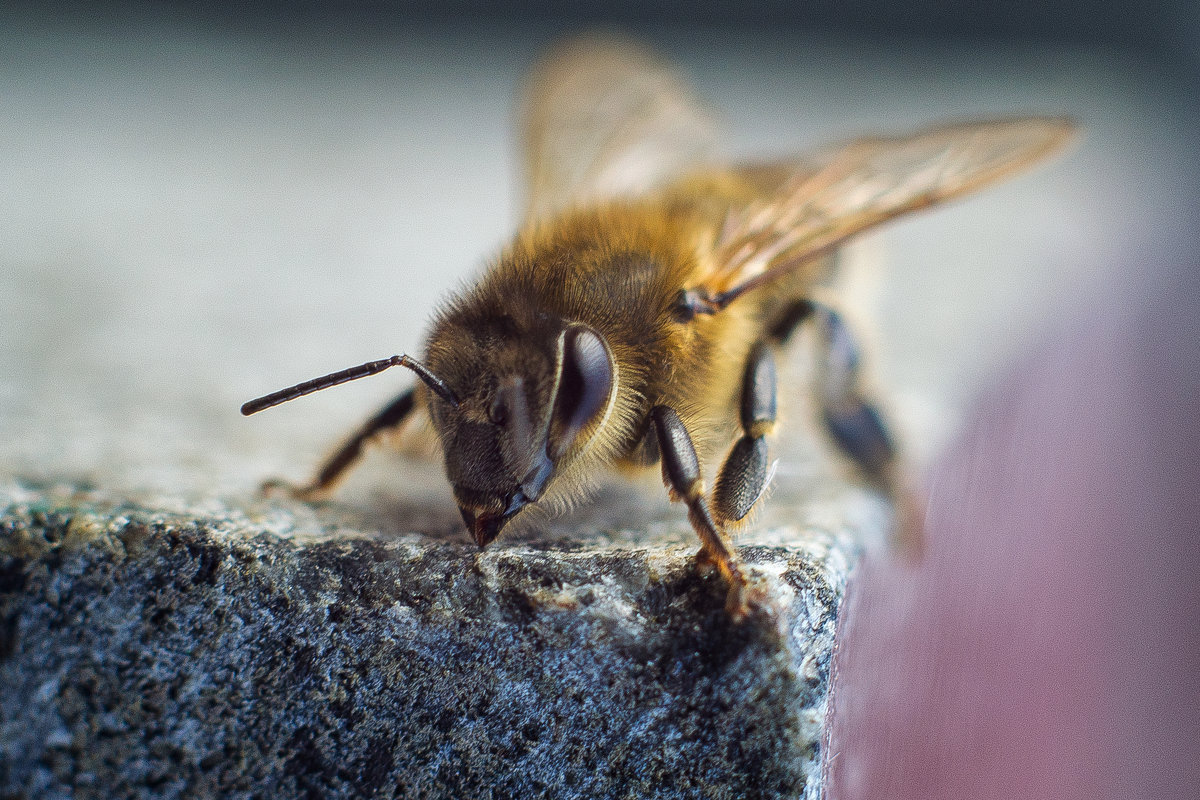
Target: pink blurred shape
(1047, 644)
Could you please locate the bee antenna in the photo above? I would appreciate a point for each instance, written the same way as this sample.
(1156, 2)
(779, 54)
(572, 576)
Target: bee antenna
(436, 384)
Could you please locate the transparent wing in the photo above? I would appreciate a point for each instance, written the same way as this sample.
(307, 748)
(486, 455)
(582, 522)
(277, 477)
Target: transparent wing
(603, 118)
(868, 182)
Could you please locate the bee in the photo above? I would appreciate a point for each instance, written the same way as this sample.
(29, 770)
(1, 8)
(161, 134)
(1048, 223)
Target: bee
(638, 308)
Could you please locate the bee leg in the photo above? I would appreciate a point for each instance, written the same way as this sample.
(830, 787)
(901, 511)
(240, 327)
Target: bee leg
(681, 474)
(338, 464)
(853, 422)
(744, 475)
(858, 428)
(781, 330)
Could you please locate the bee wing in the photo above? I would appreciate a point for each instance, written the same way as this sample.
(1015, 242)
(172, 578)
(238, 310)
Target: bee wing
(869, 182)
(603, 118)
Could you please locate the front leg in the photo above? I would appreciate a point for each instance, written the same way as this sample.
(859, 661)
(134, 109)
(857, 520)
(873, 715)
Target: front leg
(681, 474)
(390, 417)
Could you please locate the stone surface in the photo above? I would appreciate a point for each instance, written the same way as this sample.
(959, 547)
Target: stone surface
(150, 653)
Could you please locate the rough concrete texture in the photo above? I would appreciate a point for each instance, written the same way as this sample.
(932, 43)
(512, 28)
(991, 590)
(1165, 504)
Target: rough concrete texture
(145, 653)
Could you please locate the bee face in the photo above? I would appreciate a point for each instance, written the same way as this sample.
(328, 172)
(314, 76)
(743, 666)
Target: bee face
(528, 406)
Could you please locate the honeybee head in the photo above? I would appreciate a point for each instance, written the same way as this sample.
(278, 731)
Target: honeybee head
(526, 406)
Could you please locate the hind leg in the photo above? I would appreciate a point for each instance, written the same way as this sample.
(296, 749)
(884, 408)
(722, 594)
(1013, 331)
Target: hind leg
(847, 413)
(858, 428)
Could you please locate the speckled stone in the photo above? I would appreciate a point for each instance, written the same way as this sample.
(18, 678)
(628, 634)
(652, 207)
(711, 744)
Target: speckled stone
(156, 652)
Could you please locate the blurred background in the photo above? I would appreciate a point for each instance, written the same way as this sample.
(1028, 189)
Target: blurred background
(201, 203)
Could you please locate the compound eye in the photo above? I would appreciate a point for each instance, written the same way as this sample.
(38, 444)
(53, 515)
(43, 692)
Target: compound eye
(584, 387)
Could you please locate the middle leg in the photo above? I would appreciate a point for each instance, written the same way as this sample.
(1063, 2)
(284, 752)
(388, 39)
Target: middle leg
(744, 475)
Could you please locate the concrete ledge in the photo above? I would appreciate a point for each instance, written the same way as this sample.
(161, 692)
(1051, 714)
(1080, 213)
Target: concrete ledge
(146, 652)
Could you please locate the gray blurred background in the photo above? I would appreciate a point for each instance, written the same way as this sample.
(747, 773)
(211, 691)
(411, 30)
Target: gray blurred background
(201, 205)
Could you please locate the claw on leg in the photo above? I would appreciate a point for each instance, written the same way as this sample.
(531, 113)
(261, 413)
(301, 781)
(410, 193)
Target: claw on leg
(278, 487)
